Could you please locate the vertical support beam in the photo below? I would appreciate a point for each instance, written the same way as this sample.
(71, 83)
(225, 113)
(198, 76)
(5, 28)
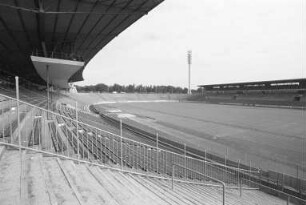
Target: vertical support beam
(223, 194)
(19, 137)
(77, 130)
(10, 120)
(189, 53)
(205, 160)
(238, 170)
(185, 156)
(225, 163)
(157, 152)
(48, 93)
(240, 189)
(87, 145)
(298, 181)
(283, 181)
(172, 184)
(189, 91)
(121, 154)
(250, 170)
(18, 113)
(288, 200)
(67, 147)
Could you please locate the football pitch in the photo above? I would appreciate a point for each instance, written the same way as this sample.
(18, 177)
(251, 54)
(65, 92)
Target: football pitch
(269, 138)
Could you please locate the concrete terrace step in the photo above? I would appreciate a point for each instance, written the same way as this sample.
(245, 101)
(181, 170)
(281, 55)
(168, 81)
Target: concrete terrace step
(122, 195)
(85, 185)
(10, 173)
(166, 194)
(34, 184)
(56, 182)
(141, 191)
(166, 186)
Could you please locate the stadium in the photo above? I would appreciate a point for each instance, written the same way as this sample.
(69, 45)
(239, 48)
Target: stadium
(244, 143)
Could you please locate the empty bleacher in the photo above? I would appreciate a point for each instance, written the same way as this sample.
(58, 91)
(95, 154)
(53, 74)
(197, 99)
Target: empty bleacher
(280, 99)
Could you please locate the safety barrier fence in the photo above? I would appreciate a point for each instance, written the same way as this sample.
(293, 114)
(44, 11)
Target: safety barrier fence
(145, 157)
(64, 134)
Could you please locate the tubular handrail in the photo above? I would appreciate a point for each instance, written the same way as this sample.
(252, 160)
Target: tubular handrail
(211, 178)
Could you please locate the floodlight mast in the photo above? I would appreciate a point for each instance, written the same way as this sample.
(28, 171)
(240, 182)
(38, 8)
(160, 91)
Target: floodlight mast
(189, 57)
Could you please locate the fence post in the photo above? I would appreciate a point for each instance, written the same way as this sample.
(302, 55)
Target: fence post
(185, 155)
(225, 163)
(67, 141)
(11, 131)
(260, 173)
(297, 178)
(77, 130)
(283, 179)
(18, 111)
(250, 172)
(172, 176)
(238, 170)
(288, 200)
(240, 189)
(205, 161)
(157, 152)
(87, 145)
(147, 166)
(121, 154)
(97, 149)
(18, 128)
(48, 92)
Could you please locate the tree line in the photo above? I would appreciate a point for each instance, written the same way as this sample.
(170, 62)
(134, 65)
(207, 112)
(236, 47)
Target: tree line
(131, 88)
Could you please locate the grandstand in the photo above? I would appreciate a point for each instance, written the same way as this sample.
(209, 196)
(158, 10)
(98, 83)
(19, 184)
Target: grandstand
(280, 93)
(54, 152)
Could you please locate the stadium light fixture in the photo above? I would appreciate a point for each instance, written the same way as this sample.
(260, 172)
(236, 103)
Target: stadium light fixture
(189, 58)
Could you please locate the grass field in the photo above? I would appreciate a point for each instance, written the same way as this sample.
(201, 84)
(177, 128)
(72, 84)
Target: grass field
(269, 138)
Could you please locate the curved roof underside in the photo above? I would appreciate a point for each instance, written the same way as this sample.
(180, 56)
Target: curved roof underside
(65, 27)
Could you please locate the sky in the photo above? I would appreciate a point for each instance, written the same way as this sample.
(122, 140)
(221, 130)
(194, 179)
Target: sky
(231, 41)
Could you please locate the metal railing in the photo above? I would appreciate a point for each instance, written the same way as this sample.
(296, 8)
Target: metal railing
(211, 178)
(57, 132)
(161, 160)
(58, 55)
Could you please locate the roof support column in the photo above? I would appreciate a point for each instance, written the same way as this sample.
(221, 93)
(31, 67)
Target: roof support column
(48, 92)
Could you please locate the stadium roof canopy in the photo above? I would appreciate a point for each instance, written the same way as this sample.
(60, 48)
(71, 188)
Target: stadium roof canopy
(66, 29)
(259, 85)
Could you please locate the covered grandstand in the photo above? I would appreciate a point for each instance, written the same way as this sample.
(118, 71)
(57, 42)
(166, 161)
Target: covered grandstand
(289, 84)
(72, 30)
(289, 93)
